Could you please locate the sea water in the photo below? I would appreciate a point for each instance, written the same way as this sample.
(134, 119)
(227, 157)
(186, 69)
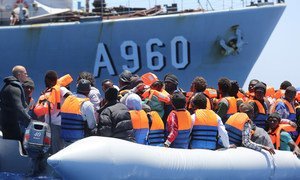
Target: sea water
(15, 176)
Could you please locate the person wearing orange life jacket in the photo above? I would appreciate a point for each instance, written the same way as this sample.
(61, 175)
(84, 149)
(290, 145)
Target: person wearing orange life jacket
(48, 108)
(208, 126)
(156, 136)
(279, 134)
(235, 91)
(280, 92)
(260, 105)
(156, 97)
(227, 104)
(77, 114)
(198, 85)
(138, 117)
(239, 129)
(94, 94)
(179, 123)
(286, 107)
(250, 92)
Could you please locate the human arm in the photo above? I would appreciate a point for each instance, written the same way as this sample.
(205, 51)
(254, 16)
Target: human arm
(246, 140)
(223, 133)
(18, 105)
(287, 121)
(88, 113)
(172, 129)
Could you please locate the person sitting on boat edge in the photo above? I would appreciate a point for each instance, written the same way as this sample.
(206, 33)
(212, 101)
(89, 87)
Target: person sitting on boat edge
(208, 126)
(77, 114)
(239, 128)
(275, 129)
(114, 120)
(179, 123)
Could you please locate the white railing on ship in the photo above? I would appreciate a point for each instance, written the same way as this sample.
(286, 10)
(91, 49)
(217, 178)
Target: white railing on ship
(207, 5)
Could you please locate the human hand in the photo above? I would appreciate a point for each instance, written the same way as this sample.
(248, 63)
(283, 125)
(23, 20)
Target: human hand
(271, 150)
(293, 124)
(232, 146)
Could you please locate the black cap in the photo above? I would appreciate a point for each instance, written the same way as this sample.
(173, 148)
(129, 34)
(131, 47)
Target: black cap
(83, 86)
(125, 76)
(111, 94)
(171, 78)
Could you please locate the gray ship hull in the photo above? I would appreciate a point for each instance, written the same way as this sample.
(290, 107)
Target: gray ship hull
(184, 44)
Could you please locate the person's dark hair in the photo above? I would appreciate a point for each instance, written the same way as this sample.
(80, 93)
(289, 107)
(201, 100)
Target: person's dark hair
(158, 85)
(111, 94)
(125, 76)
(285, 84)
(51, 78)
(290, 92)
(171, 78)
(87, 76)
(224, 85)
(234, 88)
(199, 101)
(178, 100)
(199, 84)
(274, 115)
(261, 86)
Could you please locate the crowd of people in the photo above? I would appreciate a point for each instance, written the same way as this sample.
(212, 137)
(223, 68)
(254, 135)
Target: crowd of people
(149, 111)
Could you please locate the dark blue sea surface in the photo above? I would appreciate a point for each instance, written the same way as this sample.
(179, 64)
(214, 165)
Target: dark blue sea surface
(15, 176)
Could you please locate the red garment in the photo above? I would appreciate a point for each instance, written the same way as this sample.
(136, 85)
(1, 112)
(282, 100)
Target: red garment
(172, 127)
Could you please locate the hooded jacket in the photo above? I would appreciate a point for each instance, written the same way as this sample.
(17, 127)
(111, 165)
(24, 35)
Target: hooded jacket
(13, 108)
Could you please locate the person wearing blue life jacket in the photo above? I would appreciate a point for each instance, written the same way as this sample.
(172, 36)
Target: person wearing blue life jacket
(179, 123)
(139, 118)
(260, 105)
(208, 126)
(77, 114)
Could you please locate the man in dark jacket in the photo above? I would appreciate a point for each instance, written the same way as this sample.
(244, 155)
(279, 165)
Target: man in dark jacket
(13, 104)
(114, 118)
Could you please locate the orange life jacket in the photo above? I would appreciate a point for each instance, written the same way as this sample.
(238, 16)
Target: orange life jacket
(205, 130)
(65, 80)
(279, 93)
(291, 109)
(162, 96)
(52, 96)
(211, 93)
(270, 91)
(72, 123)
(234, 126)
(140, 125)
(156, 136)
(184, 129)
(275, 135)
(260, 119)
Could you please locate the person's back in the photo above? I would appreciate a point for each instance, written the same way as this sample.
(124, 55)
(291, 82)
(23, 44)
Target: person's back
(115, 118)
(205, 130)
(77, 114)
(156, 136)
(179, 123)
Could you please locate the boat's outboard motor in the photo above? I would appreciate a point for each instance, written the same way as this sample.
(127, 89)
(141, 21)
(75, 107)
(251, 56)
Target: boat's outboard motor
(37, 139)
